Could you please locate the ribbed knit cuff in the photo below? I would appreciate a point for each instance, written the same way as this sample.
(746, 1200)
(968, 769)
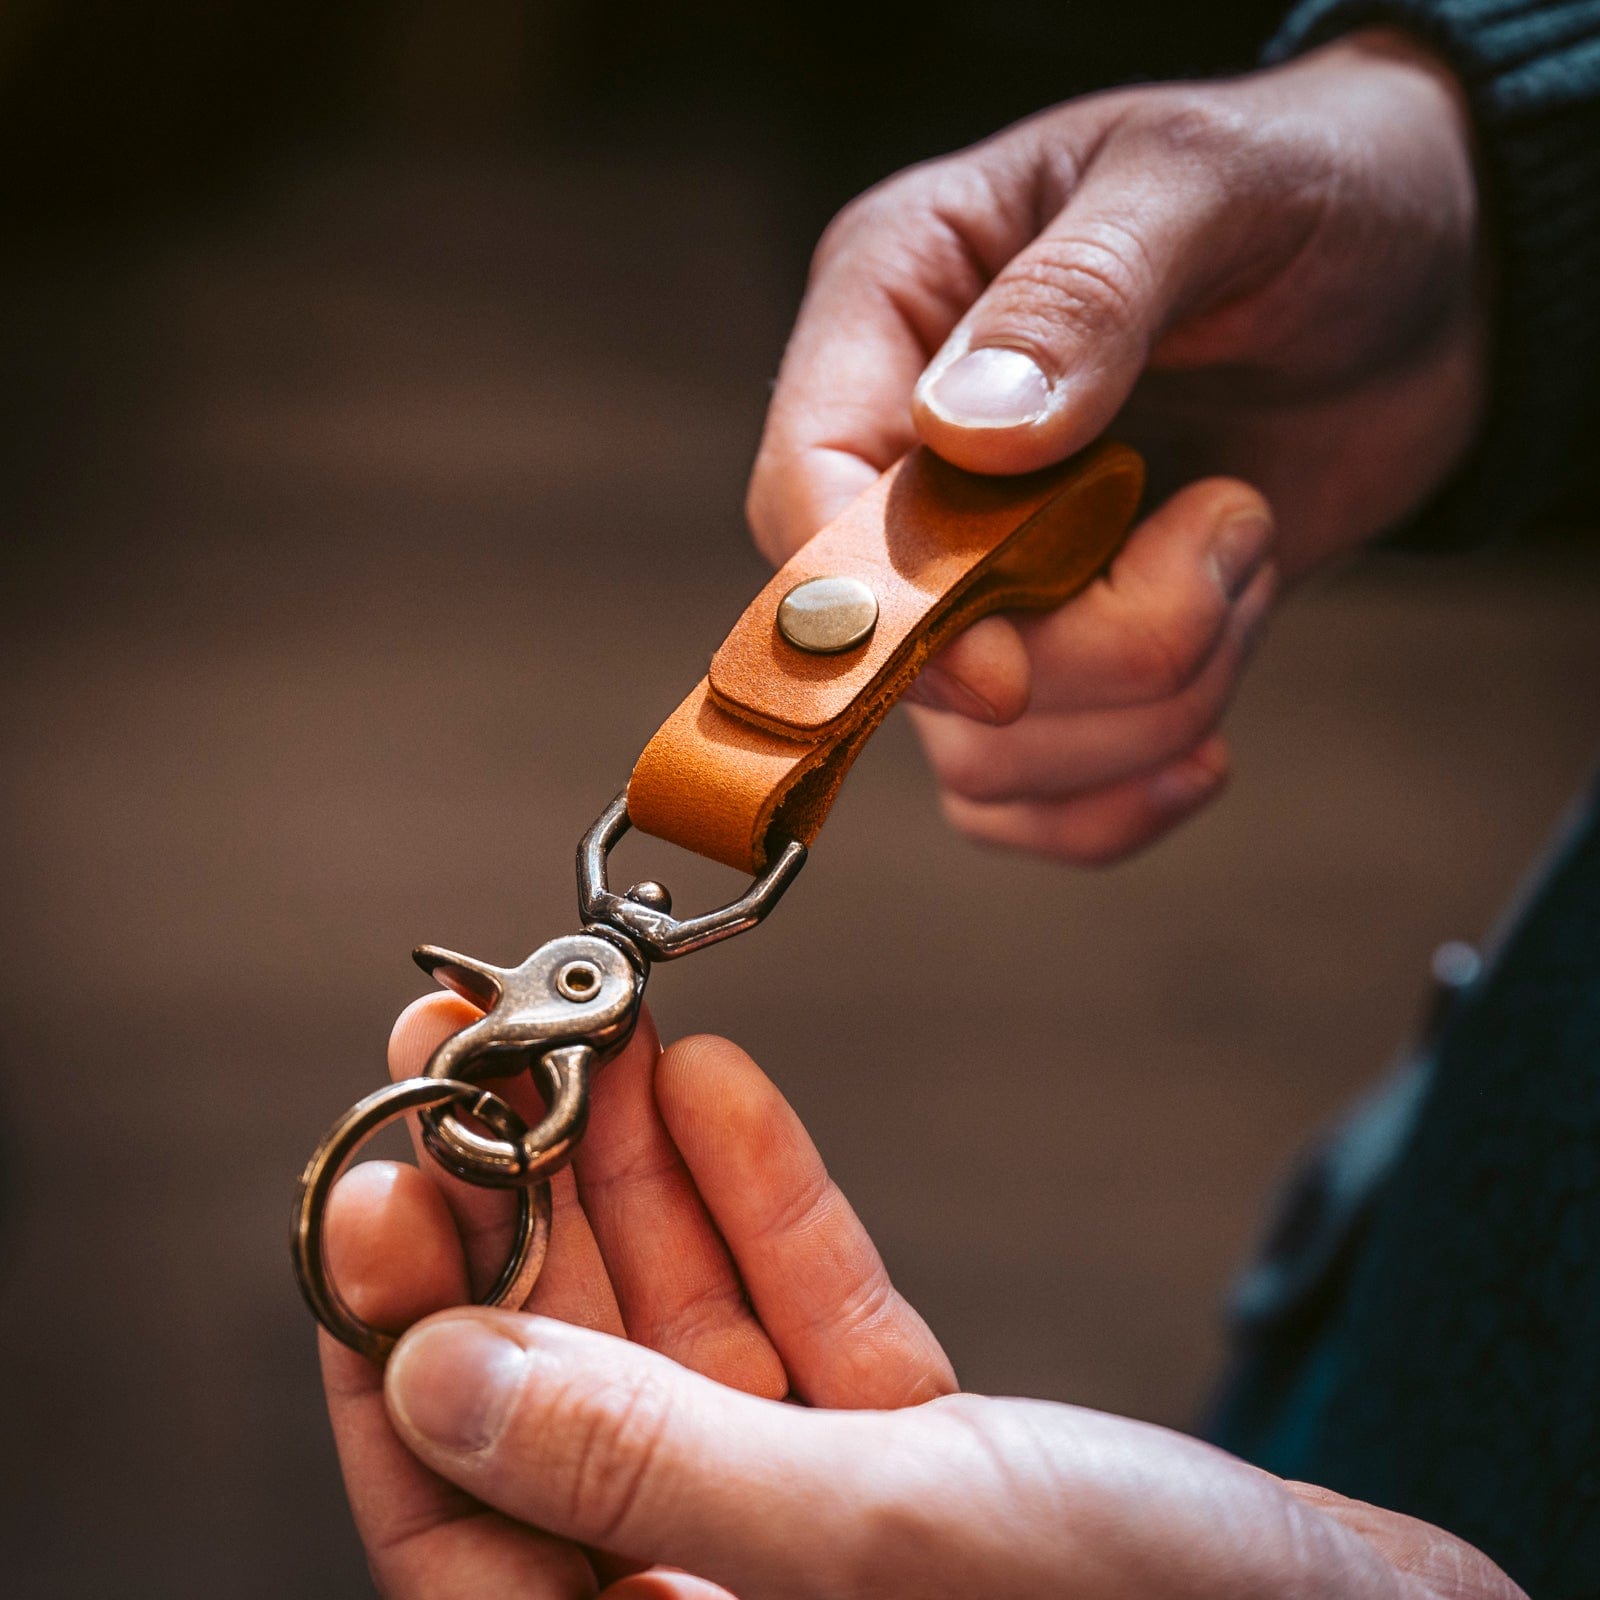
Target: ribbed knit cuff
(1531, 73)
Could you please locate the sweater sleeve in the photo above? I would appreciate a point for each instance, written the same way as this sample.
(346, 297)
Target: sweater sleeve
(1531, 73)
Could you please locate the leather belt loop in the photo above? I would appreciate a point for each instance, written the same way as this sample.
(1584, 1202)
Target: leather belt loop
(760, 747)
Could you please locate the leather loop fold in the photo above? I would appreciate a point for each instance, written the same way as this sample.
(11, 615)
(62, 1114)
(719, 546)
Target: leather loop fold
(761, 745)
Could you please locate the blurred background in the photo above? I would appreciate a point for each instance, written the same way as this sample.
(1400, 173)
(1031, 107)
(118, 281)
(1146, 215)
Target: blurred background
(372, 371)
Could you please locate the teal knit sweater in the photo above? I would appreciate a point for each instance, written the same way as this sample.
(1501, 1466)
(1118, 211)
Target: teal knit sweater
(1425, 1333)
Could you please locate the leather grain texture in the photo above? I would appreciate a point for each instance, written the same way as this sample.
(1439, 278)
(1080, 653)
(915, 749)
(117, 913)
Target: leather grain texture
(759, 748)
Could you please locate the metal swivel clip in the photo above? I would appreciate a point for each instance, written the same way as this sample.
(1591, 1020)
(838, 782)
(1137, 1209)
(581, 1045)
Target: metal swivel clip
(560, 1015)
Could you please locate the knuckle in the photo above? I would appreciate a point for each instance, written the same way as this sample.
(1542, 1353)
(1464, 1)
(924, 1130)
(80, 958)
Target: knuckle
(834, 238)
(900, 1527)
(867, 213)
(903, 1509)
(1195, 125)
(617, 1436)
(916, 238)
(703, 1318)
(870, 1302)
(800, 1209)
(1158, 666)
(1090, 280)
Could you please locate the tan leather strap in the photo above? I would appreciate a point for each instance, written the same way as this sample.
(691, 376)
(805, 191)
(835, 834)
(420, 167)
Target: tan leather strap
(760, 747)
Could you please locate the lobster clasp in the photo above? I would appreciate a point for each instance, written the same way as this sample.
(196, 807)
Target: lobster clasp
(563, 1011)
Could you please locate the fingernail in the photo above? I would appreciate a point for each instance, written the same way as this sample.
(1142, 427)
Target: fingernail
(453, 1382)
(1239, 548)
(990, 388)
(936, 689)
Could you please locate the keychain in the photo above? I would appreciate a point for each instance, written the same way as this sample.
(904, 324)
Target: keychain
(744, 772)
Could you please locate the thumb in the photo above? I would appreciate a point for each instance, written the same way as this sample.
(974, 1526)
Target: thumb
(599, 1441)
(606, 1443)
(1048, 354)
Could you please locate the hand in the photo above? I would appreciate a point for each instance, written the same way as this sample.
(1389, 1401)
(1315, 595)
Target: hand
(701, 1221)
(1276, 278)
(698, 1219)
(553, 1440)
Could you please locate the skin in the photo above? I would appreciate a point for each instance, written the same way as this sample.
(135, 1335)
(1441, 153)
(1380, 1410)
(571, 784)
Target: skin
(1275, 288)
(625, 1433)
(1272, 286)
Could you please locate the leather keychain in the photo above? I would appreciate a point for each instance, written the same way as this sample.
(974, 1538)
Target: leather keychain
(744, 772)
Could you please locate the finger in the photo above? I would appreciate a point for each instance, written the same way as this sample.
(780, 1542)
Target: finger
(890, 278)
(1095, 830)
(1049, 756)
(572, 1283)
(392, 1248)
(1048, 354)
(982, 674)
(1147, 629)
(675, 1281)
(662, 1583)
(1443, 1564)
(818, 1285)
(1141, 633)
(615, 1446)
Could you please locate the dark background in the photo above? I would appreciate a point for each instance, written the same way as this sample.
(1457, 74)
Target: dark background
(380, 383)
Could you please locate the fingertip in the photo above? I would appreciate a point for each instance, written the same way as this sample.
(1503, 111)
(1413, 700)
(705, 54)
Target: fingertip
(392, 1248)
(706, 1086)
(422, 1027)
(982, 674)
(662, 1583)
(746, 1149)
(1001, 409)
(1224, 525)
(798, 488)
(1211, 500)
(996, 451)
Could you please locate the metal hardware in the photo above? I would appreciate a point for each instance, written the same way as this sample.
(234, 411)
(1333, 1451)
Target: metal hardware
(344, 1138)
(827, 615)
(657, 934)
(578, 980)
(560, 1015)
(650, 893)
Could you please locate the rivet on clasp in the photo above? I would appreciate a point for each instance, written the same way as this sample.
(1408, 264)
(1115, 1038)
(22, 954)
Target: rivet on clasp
(578, 980)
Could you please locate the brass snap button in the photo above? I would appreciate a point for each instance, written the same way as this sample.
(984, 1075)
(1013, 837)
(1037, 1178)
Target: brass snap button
(827, 615)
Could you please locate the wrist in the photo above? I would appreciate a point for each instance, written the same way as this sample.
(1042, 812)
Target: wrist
(1401, 122)
(1528, 76)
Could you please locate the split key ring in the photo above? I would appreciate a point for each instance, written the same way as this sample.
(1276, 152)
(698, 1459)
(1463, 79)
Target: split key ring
(352, 1130)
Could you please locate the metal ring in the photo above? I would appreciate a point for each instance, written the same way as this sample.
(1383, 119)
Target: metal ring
(648, 923)
(515, 1159)
(352, 1130)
